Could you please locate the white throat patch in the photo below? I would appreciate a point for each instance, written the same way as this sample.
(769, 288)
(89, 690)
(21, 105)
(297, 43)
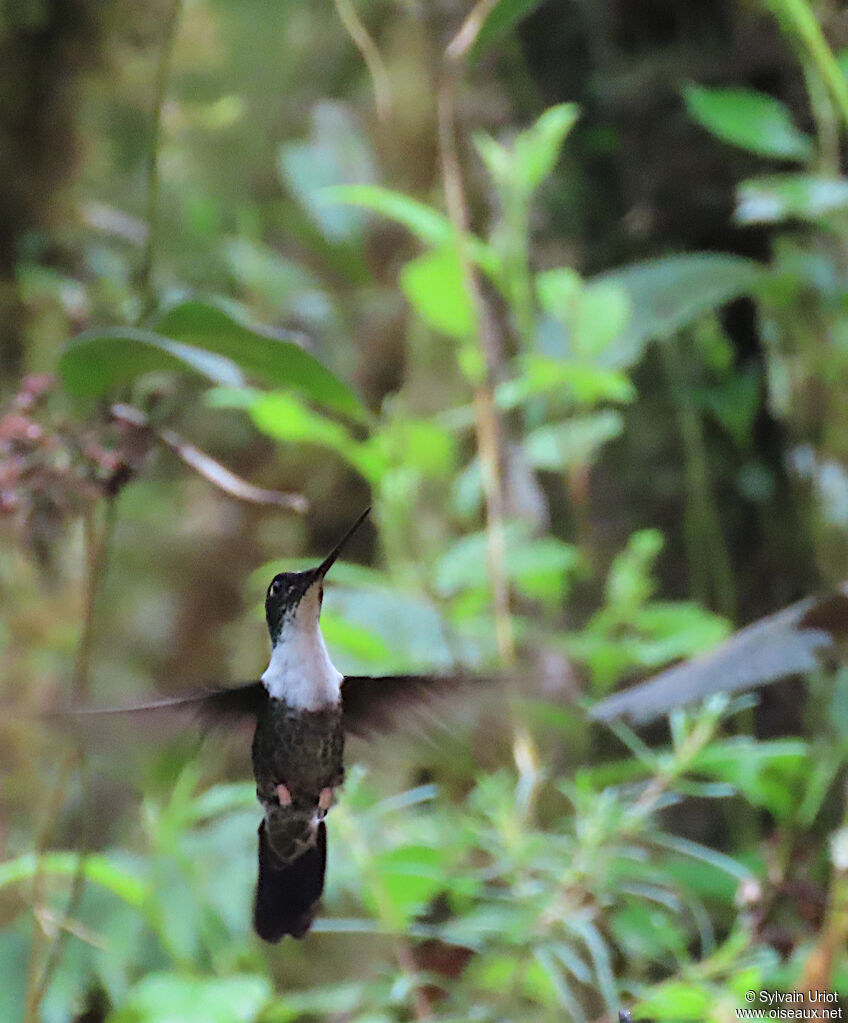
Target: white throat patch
(300, 670)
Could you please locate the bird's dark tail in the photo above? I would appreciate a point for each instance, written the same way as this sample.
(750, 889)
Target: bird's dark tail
(287, 893)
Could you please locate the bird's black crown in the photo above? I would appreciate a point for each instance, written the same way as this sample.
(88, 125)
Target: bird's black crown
(284, 594)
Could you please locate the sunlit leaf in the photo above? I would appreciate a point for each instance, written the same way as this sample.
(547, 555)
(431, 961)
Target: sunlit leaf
(434, 286)
(285, 418)
(750, 119)
(537, 149)
(427, 224)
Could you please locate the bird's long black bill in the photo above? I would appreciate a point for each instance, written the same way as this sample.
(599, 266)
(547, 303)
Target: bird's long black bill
(326, 564)
(287, 894)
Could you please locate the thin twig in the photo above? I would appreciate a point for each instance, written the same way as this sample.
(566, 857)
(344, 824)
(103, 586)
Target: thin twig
(160, 91)
(34, 969)
(489, 429)
(97, 543)
(487, 423)
(370, 54)
(39, 977)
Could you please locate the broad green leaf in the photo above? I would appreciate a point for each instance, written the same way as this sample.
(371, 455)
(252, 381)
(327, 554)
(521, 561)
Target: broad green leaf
(405, 878)
(505, 15)
(779, 197)
(178, 998)
(428, 225)
(100, 362)
(669, 293)
(434, 287)
(749, 119)
(337, 153)
(269, 356)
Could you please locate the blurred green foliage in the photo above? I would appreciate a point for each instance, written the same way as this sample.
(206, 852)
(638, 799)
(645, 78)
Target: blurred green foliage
(311, 314)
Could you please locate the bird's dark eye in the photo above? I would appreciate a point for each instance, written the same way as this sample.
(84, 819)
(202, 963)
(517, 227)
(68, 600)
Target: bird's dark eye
(321, 595)
(275, 587)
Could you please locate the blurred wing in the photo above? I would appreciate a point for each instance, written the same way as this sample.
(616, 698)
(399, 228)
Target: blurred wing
(371, 705)
(211, 705)
(794, 641)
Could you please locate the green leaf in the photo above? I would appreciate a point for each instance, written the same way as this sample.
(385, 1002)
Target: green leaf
(176, 998)
(677, 1000)
(269, 356)
(669, 293)
(406, 878)
(571, 383)
(779, 197)
(749, 119)
(503, 17)
(602, 315)
(428, 225)
(434, 287)
(100, 362)
(537, 149)
(285, 418)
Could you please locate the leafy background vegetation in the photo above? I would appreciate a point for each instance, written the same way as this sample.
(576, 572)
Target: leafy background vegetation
(560, 290)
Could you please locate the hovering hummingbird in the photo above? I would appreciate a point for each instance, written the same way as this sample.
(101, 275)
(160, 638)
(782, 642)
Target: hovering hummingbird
(302, 706)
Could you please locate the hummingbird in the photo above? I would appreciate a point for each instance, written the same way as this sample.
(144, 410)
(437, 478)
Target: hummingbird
(303, 707)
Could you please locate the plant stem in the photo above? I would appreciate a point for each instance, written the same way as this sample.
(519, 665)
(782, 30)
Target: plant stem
(160, 90)
(370, 54)
(799, 18)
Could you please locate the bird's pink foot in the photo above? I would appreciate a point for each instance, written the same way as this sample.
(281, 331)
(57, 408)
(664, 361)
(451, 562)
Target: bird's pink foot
(284, 796)
(325, 800)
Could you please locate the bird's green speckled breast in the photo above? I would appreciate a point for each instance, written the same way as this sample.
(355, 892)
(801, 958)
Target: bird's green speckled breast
(303, 750)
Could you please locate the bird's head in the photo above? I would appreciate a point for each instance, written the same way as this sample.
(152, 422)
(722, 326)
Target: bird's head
(294, 599)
